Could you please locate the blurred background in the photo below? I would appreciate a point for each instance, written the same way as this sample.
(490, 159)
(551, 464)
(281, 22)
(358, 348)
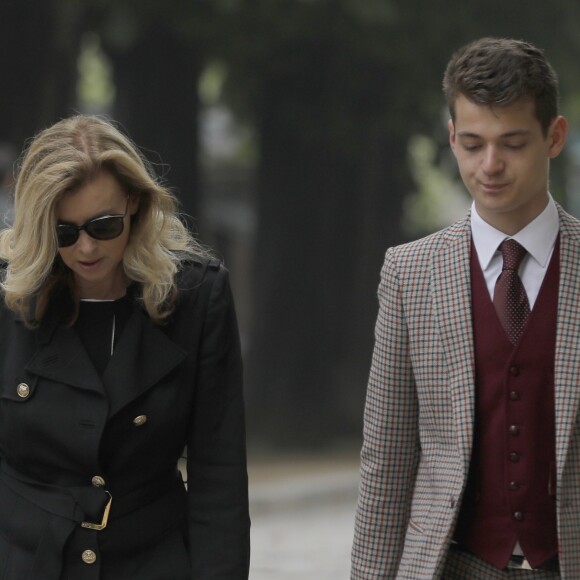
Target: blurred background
(302, 137)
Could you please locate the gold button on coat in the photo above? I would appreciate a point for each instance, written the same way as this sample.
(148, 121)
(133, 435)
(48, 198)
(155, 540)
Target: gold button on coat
(89, 557)
(140, 420)
(23, 390)
(98, 481)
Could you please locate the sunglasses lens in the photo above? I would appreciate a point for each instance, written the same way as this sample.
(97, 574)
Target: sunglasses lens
(106, 228)
(66, 235)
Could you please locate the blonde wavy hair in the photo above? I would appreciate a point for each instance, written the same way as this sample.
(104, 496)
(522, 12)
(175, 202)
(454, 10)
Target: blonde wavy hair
(61, 159)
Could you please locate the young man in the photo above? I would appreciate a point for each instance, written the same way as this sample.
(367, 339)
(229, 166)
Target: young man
(471, 454)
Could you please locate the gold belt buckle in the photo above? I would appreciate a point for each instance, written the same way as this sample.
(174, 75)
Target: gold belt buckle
(103, 524)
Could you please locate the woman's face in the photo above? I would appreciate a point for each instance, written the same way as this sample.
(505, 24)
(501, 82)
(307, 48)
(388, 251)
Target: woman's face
(97, 265)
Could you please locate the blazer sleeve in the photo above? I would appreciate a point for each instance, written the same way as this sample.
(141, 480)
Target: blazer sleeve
(390, 451)
(218, 514)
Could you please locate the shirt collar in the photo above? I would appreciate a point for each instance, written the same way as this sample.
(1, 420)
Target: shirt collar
(538, 237)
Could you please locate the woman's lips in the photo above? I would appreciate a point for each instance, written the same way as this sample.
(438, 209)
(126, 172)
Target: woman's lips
(88, 265)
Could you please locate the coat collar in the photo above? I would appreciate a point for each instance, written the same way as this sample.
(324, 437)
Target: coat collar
(62, 358)
(143, 356)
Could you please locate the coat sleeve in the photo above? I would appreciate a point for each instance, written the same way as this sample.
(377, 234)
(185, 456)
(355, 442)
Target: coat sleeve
(390, 451)
(218, 515)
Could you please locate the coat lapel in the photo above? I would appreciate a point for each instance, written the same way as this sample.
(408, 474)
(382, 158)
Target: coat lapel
(451, 284)
(64, 359)
(143, 356)
(567, 361)
(60, 355)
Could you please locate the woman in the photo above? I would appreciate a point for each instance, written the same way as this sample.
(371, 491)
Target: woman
(119, 347)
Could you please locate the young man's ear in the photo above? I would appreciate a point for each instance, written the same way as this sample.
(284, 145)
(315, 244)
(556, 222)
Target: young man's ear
(451, 128)
(557, 133)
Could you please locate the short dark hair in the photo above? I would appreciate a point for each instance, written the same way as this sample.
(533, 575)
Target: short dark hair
(501, 71)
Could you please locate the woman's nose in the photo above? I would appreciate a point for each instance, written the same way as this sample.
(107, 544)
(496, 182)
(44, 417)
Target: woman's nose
(85, 243)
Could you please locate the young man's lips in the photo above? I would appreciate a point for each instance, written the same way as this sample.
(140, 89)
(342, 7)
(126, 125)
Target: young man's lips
(493, 186)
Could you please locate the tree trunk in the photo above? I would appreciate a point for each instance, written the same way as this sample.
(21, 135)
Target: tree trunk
(157, 103)
(38, 58)
(324, 223)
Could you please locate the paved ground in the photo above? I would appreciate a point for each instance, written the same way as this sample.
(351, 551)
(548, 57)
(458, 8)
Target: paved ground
(302, 517)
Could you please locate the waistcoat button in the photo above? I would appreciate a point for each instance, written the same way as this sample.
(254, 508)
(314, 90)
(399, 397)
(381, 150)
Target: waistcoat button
(519, 516)
(514, 371)
(514, 430)
(89, 557)
(514, 486)
(514, 457)
(514, 396)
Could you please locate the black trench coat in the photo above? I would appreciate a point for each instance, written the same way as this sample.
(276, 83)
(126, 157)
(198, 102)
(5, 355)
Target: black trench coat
(74, 445)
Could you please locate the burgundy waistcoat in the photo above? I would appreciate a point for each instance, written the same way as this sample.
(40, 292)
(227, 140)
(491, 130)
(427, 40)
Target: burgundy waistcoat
(511, 491)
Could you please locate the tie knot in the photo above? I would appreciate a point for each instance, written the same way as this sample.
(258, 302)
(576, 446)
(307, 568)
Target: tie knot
(512, 253)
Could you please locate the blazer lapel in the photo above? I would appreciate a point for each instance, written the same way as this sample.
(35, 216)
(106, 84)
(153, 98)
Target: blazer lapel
(567, 358)
(143, 356)
(451, 284)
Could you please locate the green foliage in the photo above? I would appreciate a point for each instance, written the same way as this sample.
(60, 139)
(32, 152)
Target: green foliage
(439, 199)
(95, 87)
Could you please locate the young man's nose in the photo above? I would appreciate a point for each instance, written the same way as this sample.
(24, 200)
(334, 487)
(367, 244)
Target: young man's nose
(492, 161)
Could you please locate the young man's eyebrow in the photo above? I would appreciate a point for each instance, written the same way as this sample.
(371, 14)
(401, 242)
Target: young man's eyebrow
(514, 133)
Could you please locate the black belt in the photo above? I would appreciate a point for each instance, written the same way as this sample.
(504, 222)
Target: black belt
(86, 506)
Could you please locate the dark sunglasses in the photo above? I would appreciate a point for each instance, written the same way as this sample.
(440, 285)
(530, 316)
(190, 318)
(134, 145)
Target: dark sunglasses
(107, 227)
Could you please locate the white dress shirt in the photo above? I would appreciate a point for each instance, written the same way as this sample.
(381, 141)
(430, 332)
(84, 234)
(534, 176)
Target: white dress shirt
(538, 238)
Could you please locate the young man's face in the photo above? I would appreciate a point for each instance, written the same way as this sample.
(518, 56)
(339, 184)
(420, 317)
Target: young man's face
(503, 158)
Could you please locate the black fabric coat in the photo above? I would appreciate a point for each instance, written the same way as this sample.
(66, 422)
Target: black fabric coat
(165, 387)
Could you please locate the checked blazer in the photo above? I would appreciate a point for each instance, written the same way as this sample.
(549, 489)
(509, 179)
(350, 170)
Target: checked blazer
(419, 414)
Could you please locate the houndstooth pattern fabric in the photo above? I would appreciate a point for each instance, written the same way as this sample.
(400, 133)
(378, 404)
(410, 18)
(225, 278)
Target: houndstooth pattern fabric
(509, 297)
(418, 423)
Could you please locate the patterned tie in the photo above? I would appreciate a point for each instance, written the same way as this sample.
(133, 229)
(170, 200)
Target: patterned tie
(509, 297)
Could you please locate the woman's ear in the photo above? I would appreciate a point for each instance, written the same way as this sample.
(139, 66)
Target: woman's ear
(134, 200)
